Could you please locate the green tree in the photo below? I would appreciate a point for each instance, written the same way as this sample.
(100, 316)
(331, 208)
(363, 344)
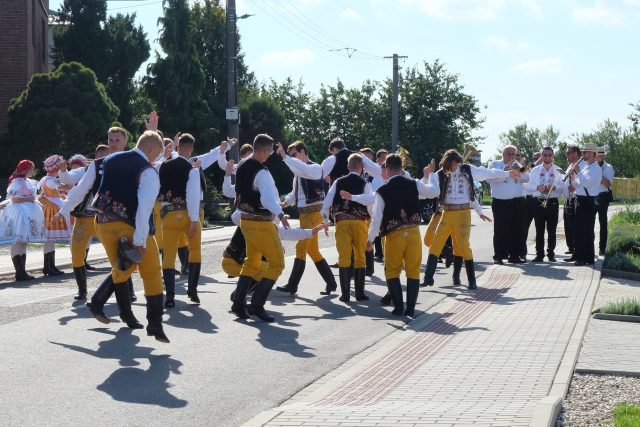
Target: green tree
(176, 81)
(114, 48)
(529, 141)
(436, 112)
(623, 147)
(64, 112)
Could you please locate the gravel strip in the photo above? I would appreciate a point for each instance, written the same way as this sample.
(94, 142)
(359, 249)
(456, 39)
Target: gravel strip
(591, 399)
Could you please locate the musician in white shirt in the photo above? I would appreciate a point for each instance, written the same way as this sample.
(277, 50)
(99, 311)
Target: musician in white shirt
(545, 183)
(604, 197)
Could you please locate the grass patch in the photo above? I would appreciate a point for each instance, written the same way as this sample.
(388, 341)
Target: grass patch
(626, 415)
(629, 215)
(627, 307)
(622, 262)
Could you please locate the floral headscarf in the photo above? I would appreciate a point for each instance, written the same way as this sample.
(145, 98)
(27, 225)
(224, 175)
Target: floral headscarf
(78, 159)
(53, 163)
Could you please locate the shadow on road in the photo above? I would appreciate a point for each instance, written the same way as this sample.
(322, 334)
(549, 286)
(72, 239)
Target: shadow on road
(190, 316)
(285, 340)
(131, 384)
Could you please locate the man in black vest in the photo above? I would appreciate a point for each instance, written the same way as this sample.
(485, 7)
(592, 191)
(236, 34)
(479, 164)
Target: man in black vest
(258, 201)
(351, 225)
(396, 217)
(307, 195)
(84, 192)
(180, 188)
(335, 166)
(124, 202)
(456, 198)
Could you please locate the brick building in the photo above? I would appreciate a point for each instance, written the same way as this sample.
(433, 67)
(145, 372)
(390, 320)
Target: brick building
(24, 39)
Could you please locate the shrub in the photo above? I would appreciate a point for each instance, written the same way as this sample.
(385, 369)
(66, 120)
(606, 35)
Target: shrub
(627, 306)
(626, 415)
(623, 262)
(624, 238)
(630, 215)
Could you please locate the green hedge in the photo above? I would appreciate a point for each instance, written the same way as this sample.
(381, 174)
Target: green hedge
(623, 245)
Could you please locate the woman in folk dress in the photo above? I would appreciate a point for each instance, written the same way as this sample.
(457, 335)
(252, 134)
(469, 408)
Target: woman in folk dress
(56, 227)
(25, 214)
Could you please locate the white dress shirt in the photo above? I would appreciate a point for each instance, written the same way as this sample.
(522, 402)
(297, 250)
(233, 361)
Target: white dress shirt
(588, 180)
(428, 188)
(458, 191)
(539, 175)
(371, 167)
(264, 183)
(367, 198)
(609, 173)
(505, 188)
(77, 194)
(148, 190)
(193, 192)
(300, 170)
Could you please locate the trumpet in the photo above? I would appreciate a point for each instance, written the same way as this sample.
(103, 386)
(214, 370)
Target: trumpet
(571, 169)
(517, 166)
(545, 199)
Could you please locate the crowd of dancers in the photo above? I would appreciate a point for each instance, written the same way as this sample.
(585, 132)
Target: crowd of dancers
(145, 205)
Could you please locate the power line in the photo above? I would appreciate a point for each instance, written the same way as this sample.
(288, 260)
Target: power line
(136, 5)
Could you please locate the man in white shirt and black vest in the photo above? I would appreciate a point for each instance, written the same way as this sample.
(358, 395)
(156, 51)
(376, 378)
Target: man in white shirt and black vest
(124, 204)
(351, 225)
(79, 199)
(180, 190)
(307, 196)
(335, 166)
(587, 177)
(258, 201)
(456, 198)
(396, 218)
(545, 183)
(604, 197)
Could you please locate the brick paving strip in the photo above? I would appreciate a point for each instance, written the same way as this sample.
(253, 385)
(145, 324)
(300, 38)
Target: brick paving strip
(487, 357)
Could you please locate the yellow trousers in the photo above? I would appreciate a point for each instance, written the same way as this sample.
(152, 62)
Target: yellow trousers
(83, 230)
(351, 235)
(262, 239)
(403, 248)
(458, 225)
(157, 220)
(175, 224)
(232, 268)
(309, 246)
(431, 229)
(150, 271)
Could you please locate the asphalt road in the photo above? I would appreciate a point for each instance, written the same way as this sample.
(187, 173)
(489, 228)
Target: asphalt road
(60, 366)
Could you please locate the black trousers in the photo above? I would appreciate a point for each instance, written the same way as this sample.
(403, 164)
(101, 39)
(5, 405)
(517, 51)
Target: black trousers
(586, 210)
(569, 217)
(603, 207)
(529, 211)
(546, 217)
(377, 244)
(507, 227)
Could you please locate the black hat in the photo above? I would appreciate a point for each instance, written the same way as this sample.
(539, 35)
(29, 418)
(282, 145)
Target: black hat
(127, 254)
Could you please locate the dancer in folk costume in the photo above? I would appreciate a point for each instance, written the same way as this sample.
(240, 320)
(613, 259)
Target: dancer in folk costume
(25, 214)
(56, 227)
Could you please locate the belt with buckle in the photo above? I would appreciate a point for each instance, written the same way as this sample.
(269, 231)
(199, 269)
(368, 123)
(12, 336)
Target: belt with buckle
(457, 207)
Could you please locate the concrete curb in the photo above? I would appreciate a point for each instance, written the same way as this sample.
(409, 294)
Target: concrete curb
(617, 317)
(617, 274)
(585, 371)
(547, 410)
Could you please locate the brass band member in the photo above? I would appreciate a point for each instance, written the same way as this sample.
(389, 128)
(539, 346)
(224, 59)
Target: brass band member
(396, 217)
(569, 215)
(605, 197)
(587, 177)
(124, 202)
(546, 181)
(351, 225)
(456, 198)
(307, 195)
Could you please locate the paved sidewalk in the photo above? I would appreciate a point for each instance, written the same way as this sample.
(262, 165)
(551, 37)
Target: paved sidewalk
(487, 357)
(610, 346)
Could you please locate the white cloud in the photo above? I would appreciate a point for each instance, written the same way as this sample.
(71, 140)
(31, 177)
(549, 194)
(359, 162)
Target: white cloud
(543, 65)
(288, 58)
(469, 10)
(351, 15)
(503, 45)
(599, 14)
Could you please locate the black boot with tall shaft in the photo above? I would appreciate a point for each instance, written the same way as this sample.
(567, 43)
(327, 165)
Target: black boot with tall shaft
(239, 307)
(259, 299)
(81, 281)
(21, 275)
(457, 268)
(345, 283)
(413, 289)
(124, 305)
(430, 270)
(327, 275)
(169, 279)
(395, 289)
(154, 316)
(100, 298)
(192, 284)
(294, 278)
(358, 284)
(471, 273)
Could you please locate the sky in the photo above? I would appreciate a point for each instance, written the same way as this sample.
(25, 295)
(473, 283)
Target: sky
(567, 63)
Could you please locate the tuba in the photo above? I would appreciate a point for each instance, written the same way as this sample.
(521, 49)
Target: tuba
(469, 150)
(405, 156)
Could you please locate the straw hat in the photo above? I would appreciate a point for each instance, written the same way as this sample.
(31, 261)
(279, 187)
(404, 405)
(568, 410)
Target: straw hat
(601, 150)
(590, 147)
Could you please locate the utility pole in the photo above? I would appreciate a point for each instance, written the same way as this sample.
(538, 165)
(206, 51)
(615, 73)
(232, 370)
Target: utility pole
(394, 102)
(232, 113)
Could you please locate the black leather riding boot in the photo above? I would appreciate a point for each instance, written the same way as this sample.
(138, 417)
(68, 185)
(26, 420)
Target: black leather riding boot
(100, 298)
(169, 278)
(327, 276)
(194, 277)
(395, 288)
(430, 270)
(471, 273)
(183, 256)
(124, 305)
(259, 299)
(294, 278)
(154, 316)
(132, 292)
(369, 268)
(239, 307)
(358, 279)
(81, 281)
(345, 283)
(457, 268)
(413, 289)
